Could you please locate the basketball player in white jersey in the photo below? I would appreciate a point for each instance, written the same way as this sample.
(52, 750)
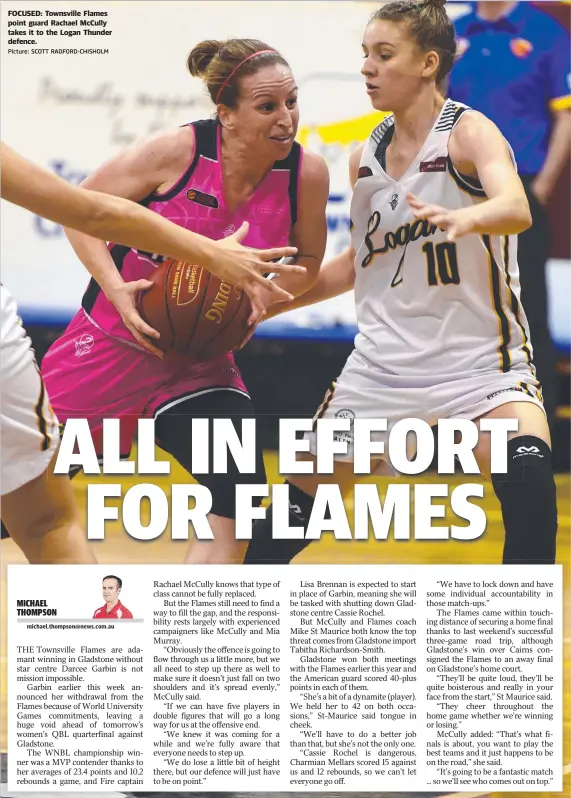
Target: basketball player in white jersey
(37, 506)
(437, 205)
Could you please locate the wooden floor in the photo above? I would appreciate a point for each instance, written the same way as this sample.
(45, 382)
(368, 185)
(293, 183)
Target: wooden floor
(120, 548)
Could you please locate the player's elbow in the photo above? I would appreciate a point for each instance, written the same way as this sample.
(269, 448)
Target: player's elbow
(524, 215)
(307, 280)
(520, 215)
(312, 273)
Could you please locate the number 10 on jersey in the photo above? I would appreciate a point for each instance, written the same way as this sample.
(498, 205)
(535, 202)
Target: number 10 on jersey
(442, 263)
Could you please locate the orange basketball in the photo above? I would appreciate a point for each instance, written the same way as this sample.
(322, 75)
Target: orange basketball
(196, 314)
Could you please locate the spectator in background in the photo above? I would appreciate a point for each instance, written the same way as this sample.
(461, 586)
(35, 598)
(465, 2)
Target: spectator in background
(513, 66)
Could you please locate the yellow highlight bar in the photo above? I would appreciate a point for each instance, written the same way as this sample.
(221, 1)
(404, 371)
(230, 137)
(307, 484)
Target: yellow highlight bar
(560, 103)
(346, 132)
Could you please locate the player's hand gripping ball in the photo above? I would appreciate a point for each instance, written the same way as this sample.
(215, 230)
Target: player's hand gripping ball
(196, 313)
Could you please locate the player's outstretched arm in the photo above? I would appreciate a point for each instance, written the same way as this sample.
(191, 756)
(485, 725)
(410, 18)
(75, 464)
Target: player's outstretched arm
(336, 277)
(478, 149)
(102, 216)
(309, 234)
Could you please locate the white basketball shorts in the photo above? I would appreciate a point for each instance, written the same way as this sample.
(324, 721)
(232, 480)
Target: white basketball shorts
(364, 390)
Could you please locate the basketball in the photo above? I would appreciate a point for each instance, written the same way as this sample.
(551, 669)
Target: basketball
(196, 313)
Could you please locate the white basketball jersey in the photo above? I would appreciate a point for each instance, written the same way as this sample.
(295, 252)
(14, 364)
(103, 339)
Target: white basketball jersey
(425, 304)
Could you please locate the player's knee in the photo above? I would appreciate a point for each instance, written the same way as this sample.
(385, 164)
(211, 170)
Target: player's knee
(528, 461)
(41, 520)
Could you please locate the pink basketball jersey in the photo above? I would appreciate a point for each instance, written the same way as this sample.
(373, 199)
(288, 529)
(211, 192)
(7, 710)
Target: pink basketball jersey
(196, 202)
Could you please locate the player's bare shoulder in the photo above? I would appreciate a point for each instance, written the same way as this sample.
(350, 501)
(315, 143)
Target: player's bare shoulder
(146, 164)
(164, 156)
(169, 149)
(314, 184)
(472, 132)
(314, 169)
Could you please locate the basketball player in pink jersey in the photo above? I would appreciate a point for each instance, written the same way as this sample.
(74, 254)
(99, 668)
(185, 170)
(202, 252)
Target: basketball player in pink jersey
(38, 506)
(106, 217)
(209, 176)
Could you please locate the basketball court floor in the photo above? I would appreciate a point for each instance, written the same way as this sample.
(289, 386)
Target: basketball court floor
(120, 548)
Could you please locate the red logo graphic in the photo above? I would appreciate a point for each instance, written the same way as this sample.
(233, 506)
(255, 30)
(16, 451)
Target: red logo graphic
(438, 165)
(521, 48)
